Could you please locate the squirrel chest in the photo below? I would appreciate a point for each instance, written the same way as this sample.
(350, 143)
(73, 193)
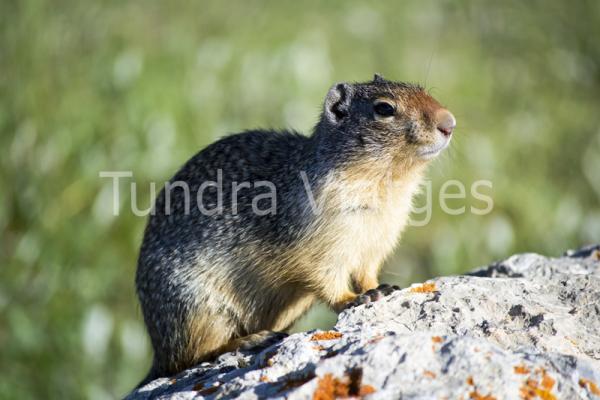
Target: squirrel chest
(362, 219)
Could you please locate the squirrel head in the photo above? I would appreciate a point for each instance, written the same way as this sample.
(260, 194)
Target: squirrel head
(381, 118)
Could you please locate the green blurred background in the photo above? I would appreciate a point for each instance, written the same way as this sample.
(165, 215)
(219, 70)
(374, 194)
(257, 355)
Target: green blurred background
(143, 85)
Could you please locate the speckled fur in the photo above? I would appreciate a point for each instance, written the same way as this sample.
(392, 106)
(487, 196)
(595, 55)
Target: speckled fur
(204, 282)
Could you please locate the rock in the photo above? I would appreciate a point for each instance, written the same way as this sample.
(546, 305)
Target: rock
(524, 328)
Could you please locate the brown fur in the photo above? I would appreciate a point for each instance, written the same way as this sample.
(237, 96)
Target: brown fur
(365, 203)
(385, 189)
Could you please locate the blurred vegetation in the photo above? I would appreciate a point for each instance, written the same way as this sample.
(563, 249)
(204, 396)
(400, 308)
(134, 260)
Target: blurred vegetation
(143, 85)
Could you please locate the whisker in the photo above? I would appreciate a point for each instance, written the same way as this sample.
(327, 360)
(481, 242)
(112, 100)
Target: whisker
(393, 273)
(428, 67)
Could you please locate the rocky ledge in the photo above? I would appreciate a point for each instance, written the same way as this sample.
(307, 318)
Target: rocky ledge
(524, 328)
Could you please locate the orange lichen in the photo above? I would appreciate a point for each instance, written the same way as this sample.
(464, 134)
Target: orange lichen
(327, 335)
(435, 339)
(264, 378)
(531, 389)
(427, 287)
(547, 381)
(521, 369)
(475, 395)
(330, 387)
(589, 386)
(366, 390)
(429, 374)
(527, 390)
(545, 394)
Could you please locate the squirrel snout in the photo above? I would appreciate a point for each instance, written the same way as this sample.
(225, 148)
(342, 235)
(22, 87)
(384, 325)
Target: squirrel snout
(445, 122)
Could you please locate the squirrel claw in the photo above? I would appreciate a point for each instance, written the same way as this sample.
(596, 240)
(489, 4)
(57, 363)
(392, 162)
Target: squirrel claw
(372, 295)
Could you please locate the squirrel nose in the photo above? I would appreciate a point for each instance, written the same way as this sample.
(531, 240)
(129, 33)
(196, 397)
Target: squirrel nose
(445, 122)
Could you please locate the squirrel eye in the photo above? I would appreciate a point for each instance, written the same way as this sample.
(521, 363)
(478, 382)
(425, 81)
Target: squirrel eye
(384, 109)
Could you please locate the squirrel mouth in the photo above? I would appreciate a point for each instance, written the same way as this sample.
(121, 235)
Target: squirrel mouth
(430, 151)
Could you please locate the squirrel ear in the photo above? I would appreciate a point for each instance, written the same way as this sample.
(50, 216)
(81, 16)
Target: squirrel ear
(337, 102)
(378, 78)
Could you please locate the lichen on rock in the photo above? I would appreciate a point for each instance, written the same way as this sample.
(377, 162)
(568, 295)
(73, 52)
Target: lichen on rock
(525, 328)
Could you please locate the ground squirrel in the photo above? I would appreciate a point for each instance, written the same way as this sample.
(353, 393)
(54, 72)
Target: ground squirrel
(259, 225)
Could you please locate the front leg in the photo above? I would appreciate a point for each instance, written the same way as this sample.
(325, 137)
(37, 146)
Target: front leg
(366, 282)
(342, 302)
(333, 288)
(365, 279)
(372, 295)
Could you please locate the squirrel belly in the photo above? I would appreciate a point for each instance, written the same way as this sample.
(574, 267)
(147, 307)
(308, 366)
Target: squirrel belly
(258, 226)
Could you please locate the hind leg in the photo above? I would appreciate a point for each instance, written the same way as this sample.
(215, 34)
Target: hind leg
(206, 335)
(255, 342)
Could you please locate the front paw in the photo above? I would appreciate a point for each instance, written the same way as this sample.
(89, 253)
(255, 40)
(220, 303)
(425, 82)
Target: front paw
(373, 295)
